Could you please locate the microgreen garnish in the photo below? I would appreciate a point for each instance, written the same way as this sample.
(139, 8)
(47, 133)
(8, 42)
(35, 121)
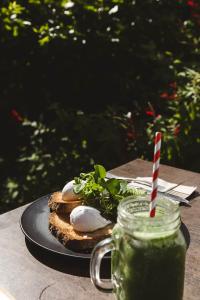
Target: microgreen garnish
(104, 194)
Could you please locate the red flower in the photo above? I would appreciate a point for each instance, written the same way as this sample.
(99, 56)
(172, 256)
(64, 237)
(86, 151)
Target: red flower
(164, 95)
(195, 15)
(192, 3)
(15, 115)
(167, 96)
(176, 130)
(150, 113)
(158, 116)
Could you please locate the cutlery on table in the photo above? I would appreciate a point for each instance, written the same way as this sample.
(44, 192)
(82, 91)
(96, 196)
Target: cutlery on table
(147, 185)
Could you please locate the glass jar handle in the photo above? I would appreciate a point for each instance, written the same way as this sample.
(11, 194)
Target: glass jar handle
(96, 257)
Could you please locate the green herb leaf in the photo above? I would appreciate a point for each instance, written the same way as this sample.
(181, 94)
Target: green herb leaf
(113, 186)
(78, 186)
(96, 191)
(123, 186)
(100, 171)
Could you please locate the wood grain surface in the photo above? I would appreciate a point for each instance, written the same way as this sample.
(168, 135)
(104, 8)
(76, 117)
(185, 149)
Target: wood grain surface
(28, 272)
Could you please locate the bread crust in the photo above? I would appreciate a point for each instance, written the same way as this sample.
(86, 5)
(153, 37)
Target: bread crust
(60, 227)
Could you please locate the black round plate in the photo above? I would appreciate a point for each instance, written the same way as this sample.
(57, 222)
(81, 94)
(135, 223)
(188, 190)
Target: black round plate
(34, 224)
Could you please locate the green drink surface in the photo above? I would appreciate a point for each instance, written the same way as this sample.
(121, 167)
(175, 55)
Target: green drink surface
(150, 269)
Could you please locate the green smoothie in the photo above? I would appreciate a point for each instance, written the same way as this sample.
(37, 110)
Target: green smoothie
(148, 268)
(148, 254)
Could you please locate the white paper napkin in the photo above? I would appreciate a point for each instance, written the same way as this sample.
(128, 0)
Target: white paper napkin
(164, 186)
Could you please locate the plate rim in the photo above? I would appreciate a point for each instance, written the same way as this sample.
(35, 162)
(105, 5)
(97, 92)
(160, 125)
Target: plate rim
(79, 255)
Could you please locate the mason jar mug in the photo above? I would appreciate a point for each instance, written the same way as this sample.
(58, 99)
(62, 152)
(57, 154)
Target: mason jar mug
(147, 254)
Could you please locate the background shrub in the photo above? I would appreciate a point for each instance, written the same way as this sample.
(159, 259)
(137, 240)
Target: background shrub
(86, 82)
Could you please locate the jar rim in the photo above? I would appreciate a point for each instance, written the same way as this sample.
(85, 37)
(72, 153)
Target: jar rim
(171, 207)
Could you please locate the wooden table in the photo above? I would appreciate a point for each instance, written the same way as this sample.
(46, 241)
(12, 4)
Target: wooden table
(31, 273)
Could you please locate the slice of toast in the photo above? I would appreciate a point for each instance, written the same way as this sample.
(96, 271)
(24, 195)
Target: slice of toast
(57, 204)
(60, 226)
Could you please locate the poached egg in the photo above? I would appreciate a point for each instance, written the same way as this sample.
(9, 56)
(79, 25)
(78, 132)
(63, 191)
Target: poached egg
(68, 193)
(87, 219)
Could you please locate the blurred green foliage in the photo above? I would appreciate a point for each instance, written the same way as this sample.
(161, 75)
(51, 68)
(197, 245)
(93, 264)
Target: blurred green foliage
(86, 82)
(50, 155)
(181, 136)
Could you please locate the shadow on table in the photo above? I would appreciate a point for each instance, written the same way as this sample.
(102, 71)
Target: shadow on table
(194, 195)
(186, 234)
(69, 265)
(78, 266)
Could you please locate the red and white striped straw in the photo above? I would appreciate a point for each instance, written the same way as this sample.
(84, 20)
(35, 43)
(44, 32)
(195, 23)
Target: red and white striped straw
(156, 164)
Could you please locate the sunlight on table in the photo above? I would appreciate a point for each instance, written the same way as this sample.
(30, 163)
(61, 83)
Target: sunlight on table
(4, 295)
